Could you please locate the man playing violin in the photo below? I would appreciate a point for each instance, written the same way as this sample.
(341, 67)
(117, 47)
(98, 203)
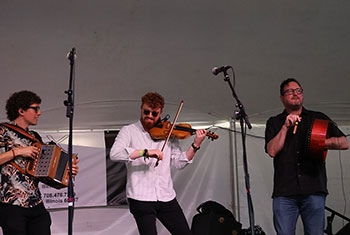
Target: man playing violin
(22, 211)
(300, 181)
(149, 187)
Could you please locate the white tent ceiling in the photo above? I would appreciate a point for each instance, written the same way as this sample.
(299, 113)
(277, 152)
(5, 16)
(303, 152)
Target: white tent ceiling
(128, 47)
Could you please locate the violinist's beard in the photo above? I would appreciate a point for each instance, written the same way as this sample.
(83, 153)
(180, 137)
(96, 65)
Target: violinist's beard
(148, 123)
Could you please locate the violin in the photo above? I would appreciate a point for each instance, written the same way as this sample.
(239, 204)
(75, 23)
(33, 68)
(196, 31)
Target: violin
(181, 131)
(165, 130)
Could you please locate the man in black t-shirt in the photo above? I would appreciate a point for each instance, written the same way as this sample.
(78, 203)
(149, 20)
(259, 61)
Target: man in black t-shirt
(300, 181)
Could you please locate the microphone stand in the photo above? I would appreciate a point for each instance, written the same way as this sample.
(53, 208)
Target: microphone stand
(243, 117)
(69, 114)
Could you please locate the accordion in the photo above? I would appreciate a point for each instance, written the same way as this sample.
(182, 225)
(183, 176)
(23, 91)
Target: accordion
(52, 165)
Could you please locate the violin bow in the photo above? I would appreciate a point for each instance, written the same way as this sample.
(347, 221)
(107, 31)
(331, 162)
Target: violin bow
(172, 128)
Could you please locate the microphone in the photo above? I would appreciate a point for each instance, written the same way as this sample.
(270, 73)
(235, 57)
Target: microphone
(72, 54)
(217, 70)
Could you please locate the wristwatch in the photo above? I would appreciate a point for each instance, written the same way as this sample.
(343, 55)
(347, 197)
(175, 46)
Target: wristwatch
(194, 147)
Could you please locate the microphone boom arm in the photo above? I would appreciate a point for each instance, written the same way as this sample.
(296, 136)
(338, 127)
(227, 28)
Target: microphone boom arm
(241, 112)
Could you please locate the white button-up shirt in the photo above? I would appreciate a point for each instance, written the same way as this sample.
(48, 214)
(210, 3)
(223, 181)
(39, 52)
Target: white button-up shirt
(145, 182)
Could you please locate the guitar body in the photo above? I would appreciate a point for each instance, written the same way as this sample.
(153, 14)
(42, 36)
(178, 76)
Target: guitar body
(316, 139)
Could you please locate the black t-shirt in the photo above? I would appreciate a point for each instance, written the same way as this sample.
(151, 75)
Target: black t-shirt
(296, 173)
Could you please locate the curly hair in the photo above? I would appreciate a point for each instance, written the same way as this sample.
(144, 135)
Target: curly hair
(20, 100)
(153, 99)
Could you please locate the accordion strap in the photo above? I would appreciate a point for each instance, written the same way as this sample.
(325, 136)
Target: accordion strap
(20, 131)
(23, 133)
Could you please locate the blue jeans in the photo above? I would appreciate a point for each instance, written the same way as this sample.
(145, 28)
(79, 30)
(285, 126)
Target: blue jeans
(286, 211)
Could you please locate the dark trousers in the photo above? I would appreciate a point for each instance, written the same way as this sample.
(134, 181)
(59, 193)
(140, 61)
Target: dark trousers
(169, 213)
(16, 220)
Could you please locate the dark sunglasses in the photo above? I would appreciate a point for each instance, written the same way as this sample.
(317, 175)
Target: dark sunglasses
(35, 108)
(147, 112)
